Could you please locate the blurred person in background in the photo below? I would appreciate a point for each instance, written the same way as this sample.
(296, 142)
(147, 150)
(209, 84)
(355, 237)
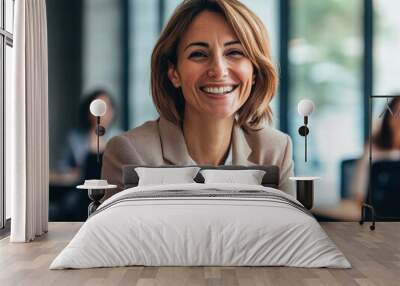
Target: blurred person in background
(82, 141)
(385, 146)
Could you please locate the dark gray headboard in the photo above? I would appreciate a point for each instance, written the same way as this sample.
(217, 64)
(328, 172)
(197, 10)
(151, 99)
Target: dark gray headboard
(271, 178)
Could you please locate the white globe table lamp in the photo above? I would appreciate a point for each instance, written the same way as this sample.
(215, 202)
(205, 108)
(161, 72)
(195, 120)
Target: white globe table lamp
(96, 188)
(305, 185)
(98, 108)
(305, 108)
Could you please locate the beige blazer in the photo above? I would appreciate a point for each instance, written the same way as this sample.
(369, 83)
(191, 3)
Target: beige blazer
(161, 142)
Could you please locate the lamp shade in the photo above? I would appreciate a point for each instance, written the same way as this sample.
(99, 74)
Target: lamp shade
(305, 107)
(98, 107)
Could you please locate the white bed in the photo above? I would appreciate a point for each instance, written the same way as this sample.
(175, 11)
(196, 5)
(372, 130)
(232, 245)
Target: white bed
(224, 225)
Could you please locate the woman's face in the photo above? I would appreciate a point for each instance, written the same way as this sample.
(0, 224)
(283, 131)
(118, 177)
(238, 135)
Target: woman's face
(212, 70)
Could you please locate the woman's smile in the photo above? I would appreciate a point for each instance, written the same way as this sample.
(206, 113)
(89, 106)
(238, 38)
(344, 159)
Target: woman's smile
(218, 91)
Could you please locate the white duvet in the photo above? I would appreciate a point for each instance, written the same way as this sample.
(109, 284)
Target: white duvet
(183, 231)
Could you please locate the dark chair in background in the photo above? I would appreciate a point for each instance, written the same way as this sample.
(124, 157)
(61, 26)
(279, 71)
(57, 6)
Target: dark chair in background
(384, 185)
(347, 171)
(66, 203)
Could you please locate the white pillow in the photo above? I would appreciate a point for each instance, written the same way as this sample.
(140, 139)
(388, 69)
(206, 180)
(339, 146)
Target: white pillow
(162, 176)
(248, 177)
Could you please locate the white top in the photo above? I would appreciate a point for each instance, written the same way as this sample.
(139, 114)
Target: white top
(229, 158)
(304, 178)
(91, 187)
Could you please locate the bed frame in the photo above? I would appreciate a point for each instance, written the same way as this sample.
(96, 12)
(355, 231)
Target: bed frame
(130, 179)
(304, 189)
(271, 178)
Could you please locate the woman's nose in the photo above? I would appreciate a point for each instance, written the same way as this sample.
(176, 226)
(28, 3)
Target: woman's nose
(218, 68)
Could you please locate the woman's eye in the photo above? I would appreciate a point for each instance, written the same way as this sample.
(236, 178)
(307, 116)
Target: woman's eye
(235, 53)
(197, 55)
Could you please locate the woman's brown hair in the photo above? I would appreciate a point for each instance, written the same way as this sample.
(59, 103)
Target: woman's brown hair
(251, 33)
(383, 139)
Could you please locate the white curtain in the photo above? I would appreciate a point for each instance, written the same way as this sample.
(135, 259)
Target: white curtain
(27, 146)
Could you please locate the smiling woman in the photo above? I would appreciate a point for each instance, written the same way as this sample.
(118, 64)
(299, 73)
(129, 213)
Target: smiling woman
(212, 81)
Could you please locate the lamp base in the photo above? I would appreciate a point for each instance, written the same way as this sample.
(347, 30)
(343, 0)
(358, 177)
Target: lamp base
(95, 196)
(305, 190)
(367, 206)
(305, 193)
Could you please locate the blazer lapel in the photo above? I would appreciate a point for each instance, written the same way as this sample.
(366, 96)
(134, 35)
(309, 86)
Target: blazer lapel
(173, 144)
(240, 147)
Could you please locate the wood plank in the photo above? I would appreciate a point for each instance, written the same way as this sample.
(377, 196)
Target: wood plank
(374, 255)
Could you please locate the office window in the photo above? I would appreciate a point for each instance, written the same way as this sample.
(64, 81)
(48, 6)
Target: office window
(2, 137)
(8, 81)
(170, 6)
(6, 42)
(101, 45)
(9, 15)
(386, 48)
(268, 12)
(143, 36)
(325, 65)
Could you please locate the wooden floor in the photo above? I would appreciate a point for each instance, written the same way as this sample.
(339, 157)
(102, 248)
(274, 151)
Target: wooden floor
(374, 255)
